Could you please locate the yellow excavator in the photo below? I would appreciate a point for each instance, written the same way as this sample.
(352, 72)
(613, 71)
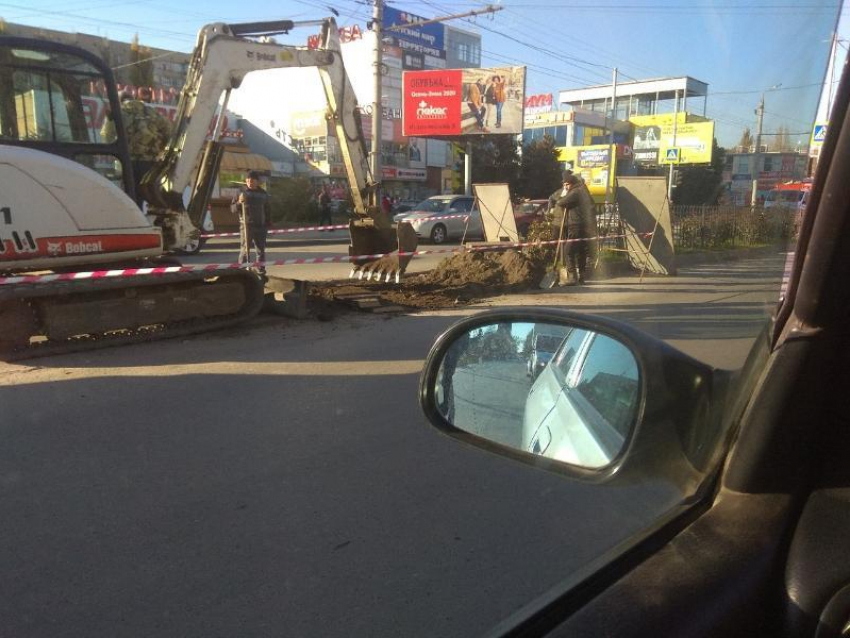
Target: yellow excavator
(67, 197)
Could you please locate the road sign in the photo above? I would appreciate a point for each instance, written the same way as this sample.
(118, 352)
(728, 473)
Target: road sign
(672, 155)
(819, 134)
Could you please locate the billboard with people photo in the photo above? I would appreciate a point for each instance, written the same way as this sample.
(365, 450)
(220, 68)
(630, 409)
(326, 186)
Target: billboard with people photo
(456, 102)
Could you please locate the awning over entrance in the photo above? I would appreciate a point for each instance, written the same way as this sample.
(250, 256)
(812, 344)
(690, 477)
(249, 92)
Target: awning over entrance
(235, 162)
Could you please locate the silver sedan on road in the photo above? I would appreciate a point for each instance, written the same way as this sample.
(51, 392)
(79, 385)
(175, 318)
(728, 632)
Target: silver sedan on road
(440, 218)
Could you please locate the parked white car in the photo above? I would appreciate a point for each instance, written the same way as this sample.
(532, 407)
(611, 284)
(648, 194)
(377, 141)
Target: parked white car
(581, 407)
(439, 219)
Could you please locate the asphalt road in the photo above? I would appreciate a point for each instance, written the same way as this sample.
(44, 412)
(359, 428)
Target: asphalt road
(306, 245)
(280, 480)
(489, 399)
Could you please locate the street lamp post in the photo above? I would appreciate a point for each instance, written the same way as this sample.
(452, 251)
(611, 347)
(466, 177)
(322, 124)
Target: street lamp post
(757, 152)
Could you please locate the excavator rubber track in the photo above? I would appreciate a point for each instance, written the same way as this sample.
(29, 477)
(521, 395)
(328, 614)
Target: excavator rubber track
(49, 318)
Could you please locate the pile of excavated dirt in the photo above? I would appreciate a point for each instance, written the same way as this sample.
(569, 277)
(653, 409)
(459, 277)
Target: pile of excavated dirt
(503, 268)
(461, 279)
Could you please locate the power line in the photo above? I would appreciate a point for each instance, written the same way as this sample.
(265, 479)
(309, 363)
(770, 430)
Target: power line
(684, 9)
(572, 60)
(92, 7)
(587, 45)
(756, 91)
(65, 14)
(155, 57)
(534, 67)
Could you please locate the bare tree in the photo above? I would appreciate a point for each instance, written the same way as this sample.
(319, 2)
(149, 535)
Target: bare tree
(141, 73)
(782, 139)
(746, 142)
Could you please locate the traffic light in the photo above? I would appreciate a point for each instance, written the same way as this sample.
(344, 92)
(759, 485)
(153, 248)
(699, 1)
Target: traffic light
(678, 175)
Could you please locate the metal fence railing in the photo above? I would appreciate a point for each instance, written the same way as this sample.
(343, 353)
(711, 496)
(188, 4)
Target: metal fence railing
(702, 227)
(707, 227)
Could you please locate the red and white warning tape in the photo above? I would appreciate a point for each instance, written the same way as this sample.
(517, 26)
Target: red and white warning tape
(281, 231)
(163, 270)
(305, 229)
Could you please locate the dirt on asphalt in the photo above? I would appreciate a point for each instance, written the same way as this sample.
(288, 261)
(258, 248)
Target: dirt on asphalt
(463, 278)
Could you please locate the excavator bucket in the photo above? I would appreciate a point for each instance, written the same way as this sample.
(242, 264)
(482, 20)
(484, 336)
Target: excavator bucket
(395, 242)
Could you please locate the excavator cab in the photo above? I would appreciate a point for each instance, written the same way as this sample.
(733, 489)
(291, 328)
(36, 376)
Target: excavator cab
(61, 99)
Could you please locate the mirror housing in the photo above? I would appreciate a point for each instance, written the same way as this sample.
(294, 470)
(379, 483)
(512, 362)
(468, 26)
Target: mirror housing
(679, 413)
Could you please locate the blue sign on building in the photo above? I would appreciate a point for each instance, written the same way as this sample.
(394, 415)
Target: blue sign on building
(426, 38)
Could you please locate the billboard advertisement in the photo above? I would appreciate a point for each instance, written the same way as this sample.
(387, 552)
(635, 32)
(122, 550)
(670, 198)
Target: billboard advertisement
(424, 38)
(456, 102)
(654, 140)
(592, 164)
(309, 124)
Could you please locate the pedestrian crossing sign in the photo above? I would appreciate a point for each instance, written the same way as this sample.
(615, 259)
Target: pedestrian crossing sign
(819, 134)
(672, 156)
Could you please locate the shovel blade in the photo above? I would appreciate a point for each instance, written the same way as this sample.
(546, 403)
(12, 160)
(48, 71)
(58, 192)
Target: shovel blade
(549, 280)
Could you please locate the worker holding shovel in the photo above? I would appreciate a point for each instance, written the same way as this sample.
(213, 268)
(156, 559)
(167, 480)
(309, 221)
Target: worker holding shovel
(559, 220)
(579, 210)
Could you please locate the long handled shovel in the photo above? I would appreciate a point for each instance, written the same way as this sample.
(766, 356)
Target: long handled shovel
(551, 278)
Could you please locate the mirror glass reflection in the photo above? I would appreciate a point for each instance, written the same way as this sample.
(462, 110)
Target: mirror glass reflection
(559, 391)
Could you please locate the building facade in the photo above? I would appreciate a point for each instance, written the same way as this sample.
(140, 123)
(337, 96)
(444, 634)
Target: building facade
(769, 168)
(411, 168)
(166, 70)
(641, 97)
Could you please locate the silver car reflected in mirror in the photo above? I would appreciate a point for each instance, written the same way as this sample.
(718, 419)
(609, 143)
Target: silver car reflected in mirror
(563, 392)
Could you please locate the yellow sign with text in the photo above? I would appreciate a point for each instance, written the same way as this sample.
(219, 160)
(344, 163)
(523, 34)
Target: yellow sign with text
(591, 163)
(663, 119)
(655, 134)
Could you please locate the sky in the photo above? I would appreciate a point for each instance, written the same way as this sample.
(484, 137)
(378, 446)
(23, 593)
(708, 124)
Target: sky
(741, 48)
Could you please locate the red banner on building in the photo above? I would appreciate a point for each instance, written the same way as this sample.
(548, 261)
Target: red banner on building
(432, 102)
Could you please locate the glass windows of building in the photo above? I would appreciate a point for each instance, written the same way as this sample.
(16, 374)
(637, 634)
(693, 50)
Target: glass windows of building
(560, 134)
(584, 134)
(475, 53)
(463, 51)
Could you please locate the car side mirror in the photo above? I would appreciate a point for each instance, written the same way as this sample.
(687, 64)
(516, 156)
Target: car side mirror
(572, 393)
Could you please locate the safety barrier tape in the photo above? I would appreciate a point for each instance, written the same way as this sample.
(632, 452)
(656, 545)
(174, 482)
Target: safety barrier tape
(163, 270)
(281, 231)
(305, 229)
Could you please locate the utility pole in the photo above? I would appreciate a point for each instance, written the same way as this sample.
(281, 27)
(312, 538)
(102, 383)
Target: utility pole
(377, 107)
(467, 169)
(760, 112)
(670, 179)
(611, 137)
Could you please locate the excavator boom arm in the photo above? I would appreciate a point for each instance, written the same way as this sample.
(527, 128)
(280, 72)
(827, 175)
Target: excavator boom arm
(220, 62)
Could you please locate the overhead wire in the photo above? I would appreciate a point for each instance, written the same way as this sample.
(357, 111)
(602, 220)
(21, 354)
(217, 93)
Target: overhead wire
(719, 115)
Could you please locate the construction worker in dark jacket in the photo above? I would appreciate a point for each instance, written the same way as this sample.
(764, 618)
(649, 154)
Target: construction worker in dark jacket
(252, 206)
(578, 205)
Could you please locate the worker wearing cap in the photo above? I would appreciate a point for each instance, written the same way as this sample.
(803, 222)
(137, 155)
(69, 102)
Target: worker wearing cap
(252, 206)
(578, 206)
